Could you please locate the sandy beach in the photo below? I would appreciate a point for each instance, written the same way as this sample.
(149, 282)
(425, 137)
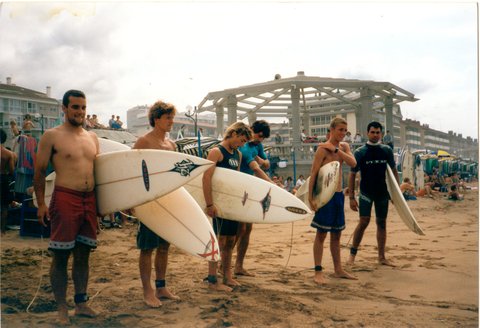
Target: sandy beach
(435, 283)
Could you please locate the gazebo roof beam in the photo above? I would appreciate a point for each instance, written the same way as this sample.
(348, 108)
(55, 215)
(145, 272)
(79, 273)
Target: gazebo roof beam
(348, 101)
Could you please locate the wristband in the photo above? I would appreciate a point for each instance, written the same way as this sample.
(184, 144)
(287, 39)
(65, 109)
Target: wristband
(209, 205)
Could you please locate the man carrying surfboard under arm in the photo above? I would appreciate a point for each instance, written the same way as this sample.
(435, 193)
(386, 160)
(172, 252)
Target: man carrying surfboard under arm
(372, 160)
(225, 155)
(331, 217)
(254, 161)
(72, 213)
(160, 117)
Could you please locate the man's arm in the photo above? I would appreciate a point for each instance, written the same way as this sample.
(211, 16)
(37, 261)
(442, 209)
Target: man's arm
(317, 163)
(346, 155)
(264, 163)
(262, 158)
(11, 163)
(215, 156)
(43, 157)
(258, 172)
(351, 191)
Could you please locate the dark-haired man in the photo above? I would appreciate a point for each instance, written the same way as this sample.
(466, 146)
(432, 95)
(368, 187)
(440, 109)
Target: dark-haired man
(372, 160)
(160, 117)
(254, 161)
(72, 213)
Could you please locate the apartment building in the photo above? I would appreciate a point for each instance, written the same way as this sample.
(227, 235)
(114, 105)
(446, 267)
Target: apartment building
(16, 102)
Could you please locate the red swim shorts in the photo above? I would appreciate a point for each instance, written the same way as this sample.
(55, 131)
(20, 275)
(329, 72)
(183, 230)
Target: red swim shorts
(73, 218)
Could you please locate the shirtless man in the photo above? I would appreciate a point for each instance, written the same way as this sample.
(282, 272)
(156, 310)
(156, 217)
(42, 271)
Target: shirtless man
(160, 117)
(7, 167)
(72, 212)
(331, 217)
(226, 155)
(372, 160)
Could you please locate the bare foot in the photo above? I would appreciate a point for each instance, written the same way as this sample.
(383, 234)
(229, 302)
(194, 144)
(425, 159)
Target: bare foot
(165, 293)
(344, 275)
(243, 272)
(231, 282)
(319, 278)
(63, 319)
(218, 286)
(350, 261)
(150, 299)
(82, 309)
(386, 262)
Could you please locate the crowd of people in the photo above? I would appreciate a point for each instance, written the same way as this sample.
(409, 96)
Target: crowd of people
(91, 122)
(71, 150)
(435, 185)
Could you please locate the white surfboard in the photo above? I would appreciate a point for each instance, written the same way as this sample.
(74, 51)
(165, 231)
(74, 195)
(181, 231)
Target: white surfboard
(109, 146)
(125, 179)
(106, 146)
(178, 219)
(400, 204)
(246, 198)
(327, 182)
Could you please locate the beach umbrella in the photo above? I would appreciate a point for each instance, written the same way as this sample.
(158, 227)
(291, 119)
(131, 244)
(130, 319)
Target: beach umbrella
(442, 153)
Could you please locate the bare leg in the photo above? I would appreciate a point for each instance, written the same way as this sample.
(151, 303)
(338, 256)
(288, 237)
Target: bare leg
(161, 261)
(80, 272)
(358, 235)
(145, 265)
(212, 274)
(337, 263)
(381, 241)
(243, 240)
(58, 279)
(318, 255)
(227, 251)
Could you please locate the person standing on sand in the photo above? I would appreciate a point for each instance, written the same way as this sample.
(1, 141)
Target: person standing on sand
(160, 118)
(331, 217)
(225, 155)
(73, 210)
(372, 160)
(254, 160)
(7, 168)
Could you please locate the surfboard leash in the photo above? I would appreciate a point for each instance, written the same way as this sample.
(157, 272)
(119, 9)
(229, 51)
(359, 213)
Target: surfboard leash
(291, 246)
(41, 276)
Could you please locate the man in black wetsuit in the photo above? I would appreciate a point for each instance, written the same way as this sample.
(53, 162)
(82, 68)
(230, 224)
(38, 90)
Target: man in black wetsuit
(372, 160)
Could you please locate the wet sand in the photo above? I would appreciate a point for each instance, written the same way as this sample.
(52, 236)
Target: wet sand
(435, 283)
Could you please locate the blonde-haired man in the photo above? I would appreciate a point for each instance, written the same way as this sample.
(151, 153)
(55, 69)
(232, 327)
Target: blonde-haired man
(225, 155)
(331, 217)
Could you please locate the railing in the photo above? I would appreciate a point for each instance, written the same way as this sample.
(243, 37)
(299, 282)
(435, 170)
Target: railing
(305, 152)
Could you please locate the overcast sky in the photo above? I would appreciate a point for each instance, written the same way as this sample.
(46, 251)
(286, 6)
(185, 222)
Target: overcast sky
(129, 54)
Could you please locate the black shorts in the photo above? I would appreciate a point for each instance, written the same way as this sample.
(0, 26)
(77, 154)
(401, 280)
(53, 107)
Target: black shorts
(6, 195)
(147, 239)
(224, 227)
(381, 206)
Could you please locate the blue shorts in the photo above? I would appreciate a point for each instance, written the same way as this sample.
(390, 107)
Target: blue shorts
(147, 239)
(331, 217)
(365, 206)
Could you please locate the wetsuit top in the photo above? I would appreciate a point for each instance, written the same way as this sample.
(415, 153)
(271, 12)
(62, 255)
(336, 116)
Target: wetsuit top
(229, 161)
(372, 163)
(249, 152)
